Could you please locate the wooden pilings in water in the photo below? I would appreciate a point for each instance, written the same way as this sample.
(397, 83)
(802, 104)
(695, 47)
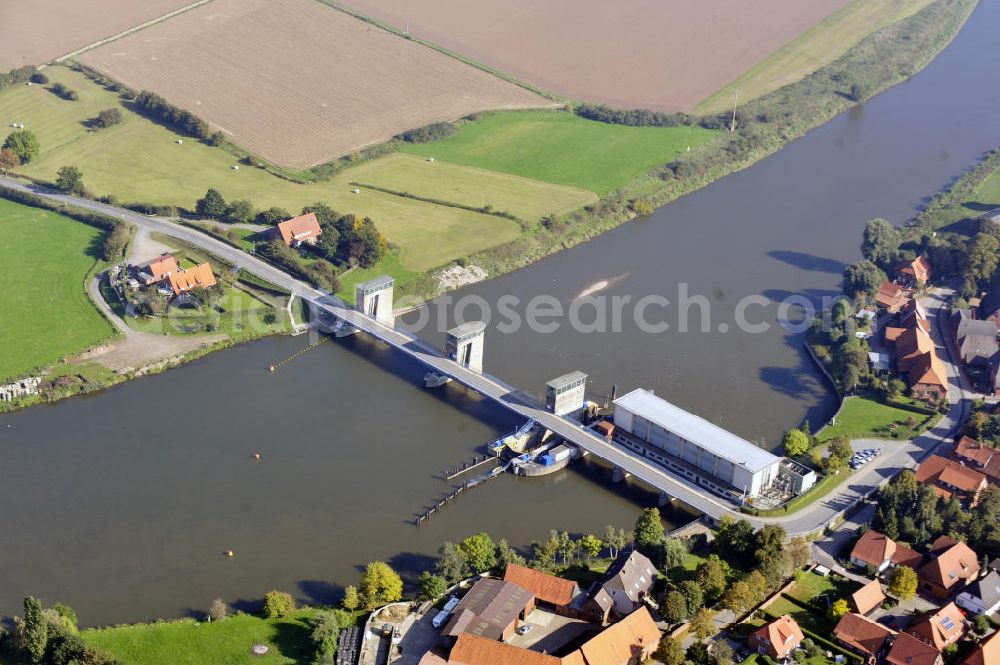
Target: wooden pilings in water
(441, 503)
(475, 462)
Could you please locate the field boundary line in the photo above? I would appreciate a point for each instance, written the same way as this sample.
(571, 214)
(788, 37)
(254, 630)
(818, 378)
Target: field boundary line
(371, 20)
(137, 28)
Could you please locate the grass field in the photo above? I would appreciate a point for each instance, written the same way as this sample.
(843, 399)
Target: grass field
(140, 161)
(986, 195)
(227, 642)
(864, 417)
(816, 47)
(525, 198)
(47, 315)
(562, 148)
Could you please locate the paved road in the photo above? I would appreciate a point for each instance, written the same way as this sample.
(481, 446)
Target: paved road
(805, 521)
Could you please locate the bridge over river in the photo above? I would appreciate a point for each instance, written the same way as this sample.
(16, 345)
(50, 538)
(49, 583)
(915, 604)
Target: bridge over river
(805, 521)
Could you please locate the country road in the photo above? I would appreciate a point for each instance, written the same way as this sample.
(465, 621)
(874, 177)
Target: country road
(819, 514)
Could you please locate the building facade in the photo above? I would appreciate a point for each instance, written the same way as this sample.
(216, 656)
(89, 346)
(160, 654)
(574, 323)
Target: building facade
(693, 447)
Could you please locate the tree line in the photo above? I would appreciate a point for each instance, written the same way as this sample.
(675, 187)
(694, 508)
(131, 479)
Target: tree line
(158, 108)
(49, 636)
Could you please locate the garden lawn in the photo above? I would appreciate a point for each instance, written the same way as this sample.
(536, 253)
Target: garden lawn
(46, 315)
(141, 161)
(227, 642)
(562, 148)
(865, 417)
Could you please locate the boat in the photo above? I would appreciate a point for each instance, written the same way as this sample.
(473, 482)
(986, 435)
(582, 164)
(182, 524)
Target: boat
(435, 380)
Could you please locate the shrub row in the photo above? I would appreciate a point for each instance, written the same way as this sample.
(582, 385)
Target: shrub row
(433, 132)
(631, 117)
(18, 75)
(118, 232)
(61, 91)
(158, 108)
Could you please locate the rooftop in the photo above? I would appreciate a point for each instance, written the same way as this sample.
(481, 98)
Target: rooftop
(466, 329)
(547, 588)
(488, 608)
(375, 284)
(566, 379)
(725, 444)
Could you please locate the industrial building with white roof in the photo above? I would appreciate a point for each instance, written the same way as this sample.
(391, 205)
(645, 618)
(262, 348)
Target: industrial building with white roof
(694, 448)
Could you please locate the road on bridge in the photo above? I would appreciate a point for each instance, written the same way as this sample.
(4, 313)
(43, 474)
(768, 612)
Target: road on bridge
(807, 520)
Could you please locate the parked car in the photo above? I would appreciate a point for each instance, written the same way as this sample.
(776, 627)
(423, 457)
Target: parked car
(525, 629)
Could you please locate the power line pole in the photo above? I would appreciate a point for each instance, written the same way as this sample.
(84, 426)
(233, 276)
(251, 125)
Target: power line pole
(732, 124)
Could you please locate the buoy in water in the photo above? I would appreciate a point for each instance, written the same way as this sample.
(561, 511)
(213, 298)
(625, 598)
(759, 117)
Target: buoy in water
(230, 553)
(256, 456)
(270, 368)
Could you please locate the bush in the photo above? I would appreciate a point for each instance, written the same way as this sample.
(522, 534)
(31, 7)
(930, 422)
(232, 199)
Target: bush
(218, 610)
(24, 144)
(277, 604)
(631, 117)
(63, 92)
(429, 133)
(153, 106)
(39, 78)
(18, 75)
(108, 117)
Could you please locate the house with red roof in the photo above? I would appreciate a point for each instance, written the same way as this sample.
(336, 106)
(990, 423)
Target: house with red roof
(949, 478)
(777, 639)
(940, 628)
(200, 276)
(890, 297)
(863, 636)
(908, 650)
(873, 549)
(562, 595)
(952, 565)
(915, 273)
(300, 230)
(984, 459)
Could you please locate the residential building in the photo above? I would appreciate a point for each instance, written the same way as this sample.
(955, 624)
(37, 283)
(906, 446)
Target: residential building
(200, 276)
(986, 653)
(863, 636)
(984, 459)
(908, 650)
(873, 549)
(631, 641)
(156, 270)
(628, 642)
(300, 230)
(890, 297)
(912, 313)
(471, 649)
(692, 447)
(912, 343)
(952, 565)
(982, 596)
(928, 378)
(777, 639)
(939, 629)
(492, 609)
(904, 556)
(915, 273)
(950, 479)
(623, 589)
(989, 308)
(976, 340)
(868, 597)
(562, 595)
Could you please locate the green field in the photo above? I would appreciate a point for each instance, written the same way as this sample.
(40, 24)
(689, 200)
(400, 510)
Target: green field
(562, 148)
(227, 642)
(865, 417)
(813, 49)
(525, 198)
(45, 260)
(986, 195)
(141, 161)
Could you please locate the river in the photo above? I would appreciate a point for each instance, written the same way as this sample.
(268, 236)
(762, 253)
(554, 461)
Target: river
(122, 503)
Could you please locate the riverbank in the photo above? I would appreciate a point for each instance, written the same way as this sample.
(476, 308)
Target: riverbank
(764, 125)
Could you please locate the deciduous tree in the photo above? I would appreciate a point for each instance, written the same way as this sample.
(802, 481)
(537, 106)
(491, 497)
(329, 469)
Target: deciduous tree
(837, 609)
(450, 564)
(591, 546)
(703, 623)
(36, 629)
(380, 584)
(711, 577)
(903, 582)
(212, 205)
(8, 160)
(352, 599)
(24, 144)
(670, 651)
(218, 610)
(675, 608)
(615, 540)
(70, 180)
(648, 533)
(881, 243)
(479, 552)
(278, 604)
(796, 443)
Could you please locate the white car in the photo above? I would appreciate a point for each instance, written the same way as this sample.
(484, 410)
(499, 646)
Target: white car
(525, 629)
